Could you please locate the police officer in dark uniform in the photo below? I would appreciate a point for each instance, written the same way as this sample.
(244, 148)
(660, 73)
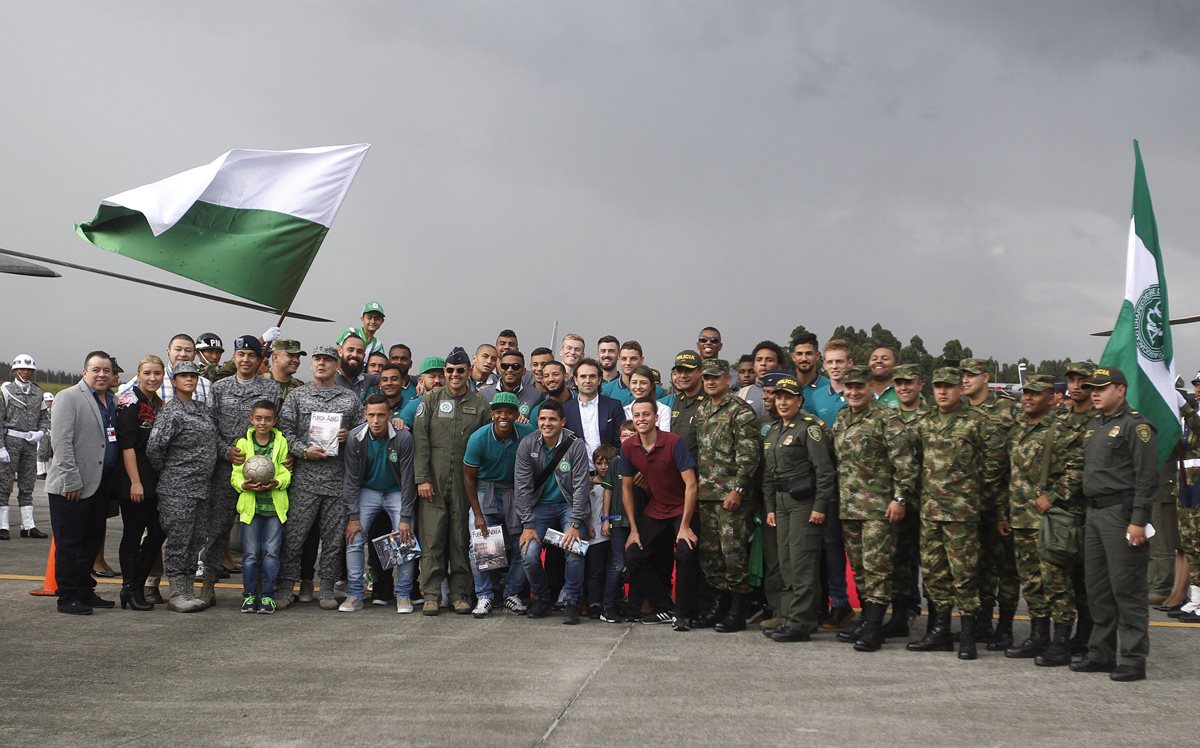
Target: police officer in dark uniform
(687, 398)
(1120, 481)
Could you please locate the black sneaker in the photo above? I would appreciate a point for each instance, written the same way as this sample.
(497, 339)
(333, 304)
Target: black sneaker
(570, 615)
(680, 623)
(594, 612)
(538, 608)
(611, 616)
(662, 616)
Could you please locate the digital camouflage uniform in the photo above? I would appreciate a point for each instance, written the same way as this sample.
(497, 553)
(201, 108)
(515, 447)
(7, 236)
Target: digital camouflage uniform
(799, 478)
(875, 465)
(443, 424)
(728, 454)
(956, 465)
(183, 450)
(232, 400)
(1047, 586)
(997, 576)
(315, 495)
(21, 410)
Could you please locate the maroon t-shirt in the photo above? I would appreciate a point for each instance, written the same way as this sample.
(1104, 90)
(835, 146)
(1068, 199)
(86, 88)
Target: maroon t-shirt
(661, 467)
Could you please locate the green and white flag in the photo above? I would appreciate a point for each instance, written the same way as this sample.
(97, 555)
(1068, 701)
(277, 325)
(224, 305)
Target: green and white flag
(1141, 339)
(249, 223)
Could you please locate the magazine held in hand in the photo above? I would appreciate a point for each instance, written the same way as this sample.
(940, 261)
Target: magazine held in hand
(554, 537)
(489, 551)
(394, 552)
(323, 430)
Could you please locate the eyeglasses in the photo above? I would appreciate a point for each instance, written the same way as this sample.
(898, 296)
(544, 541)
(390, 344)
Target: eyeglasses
(511, 367)
(456, 370)
(707, 339)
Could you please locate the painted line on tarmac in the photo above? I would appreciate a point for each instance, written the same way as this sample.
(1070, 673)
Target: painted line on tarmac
(101, 580)
(584, 685)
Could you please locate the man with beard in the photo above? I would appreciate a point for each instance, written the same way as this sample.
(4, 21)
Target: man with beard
(606, 354)
(554, 382)
(350, 374)
(514, 379)
(881, 363)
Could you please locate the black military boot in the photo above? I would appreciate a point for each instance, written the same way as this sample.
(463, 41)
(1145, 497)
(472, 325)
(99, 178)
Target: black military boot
(938, 638)
(929, 622)
(1058, 653)
(853, 635)
(1003, 638)
(1039, 639)
(716, 611)
(871, 638)
(966, 644)
(983, 625)
(735, 619)
(1083, 632)
(897, 625)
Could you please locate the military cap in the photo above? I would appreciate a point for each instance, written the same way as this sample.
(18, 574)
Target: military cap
(1082, 368)
(326, 350)
(973, 366)
(771, 378)
(1106, 375)
(788, 383)
(715, 367)
(248, 343)
(185, 367)
(373, 306)
(506, 400)
(1196, 378)
(458, 356)
(906, 372)
(1039, 383)
(947, 375)
(688, 359)
(288, 346)
(857, 375)
(433, 363)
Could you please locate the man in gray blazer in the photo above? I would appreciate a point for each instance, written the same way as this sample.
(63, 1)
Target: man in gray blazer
(84, 437)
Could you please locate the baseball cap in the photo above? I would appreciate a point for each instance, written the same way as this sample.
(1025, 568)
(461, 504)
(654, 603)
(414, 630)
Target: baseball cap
(1085, 368)
(326, 350)
(858, 375)
(906, 372)
(373, 306)
(715, 367)
(973, 366)
(433, 363)
(288, 346)
(788, 383)
(688, 359)
(1039, 383)
(1106, 375)
(948, 375)
(506, 399)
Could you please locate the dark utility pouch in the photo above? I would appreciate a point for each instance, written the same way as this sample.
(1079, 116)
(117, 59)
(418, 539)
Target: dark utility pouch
(802, 489)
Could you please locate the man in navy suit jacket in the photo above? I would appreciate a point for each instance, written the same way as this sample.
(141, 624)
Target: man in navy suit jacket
(591, 416)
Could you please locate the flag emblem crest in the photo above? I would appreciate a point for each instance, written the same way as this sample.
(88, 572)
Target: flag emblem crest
(1149, 324)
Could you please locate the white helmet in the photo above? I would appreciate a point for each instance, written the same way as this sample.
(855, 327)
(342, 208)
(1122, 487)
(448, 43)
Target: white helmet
(24, 361)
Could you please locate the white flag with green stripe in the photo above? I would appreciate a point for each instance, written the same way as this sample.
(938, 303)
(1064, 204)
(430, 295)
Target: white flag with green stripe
(1141, 339)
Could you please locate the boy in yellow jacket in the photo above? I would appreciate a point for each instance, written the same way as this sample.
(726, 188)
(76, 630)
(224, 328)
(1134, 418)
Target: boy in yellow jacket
(262, 506)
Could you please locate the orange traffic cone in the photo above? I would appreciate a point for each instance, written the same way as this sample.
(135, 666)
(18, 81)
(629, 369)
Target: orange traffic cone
(50, 585)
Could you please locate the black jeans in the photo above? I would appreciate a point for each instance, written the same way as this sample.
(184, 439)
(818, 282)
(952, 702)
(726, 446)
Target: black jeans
(141, 540)
(78, 528)
(643, 573)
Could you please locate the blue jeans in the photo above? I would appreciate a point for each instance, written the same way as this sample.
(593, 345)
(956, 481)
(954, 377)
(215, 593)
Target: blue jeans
(546, 516)
(485, 579)
(613, 587)
(261, 541)
(371, 503)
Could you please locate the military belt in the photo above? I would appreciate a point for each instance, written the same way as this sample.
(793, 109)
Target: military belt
(1112, 499)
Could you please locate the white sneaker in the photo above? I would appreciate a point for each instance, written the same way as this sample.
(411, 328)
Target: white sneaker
(482, 608)
(404, 605)
(516, 605)
(350, 605)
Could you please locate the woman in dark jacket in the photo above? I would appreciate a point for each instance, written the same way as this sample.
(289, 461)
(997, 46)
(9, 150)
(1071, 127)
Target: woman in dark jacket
(137, 488)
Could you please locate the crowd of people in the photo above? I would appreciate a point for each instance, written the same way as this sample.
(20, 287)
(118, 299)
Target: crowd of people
(730, 493)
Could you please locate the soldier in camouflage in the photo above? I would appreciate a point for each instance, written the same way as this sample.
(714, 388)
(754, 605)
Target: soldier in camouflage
(24, 424)
(209, 350)
(729, 449)
(1189, 509)
(1078, 411)
(183, 450)
(877, 474)
(907, 383)
(1045, 470)
(998, 581)
(232, 400)
(316, 492)
(957, 465)
(285, 360)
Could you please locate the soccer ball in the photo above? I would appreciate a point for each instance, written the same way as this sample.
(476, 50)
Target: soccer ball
(258, 469)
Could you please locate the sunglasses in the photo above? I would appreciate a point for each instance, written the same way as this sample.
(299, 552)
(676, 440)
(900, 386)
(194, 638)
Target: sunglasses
(511, 367)
(706, 339)
(456, 370)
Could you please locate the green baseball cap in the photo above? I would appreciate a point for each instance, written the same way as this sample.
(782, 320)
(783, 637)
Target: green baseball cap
(1081, 368)
(948, 375)
(1039, 383)
(857, 375)
(506, 400)
(288, 346)
(973, 366)
(433, 363)
(373, 306)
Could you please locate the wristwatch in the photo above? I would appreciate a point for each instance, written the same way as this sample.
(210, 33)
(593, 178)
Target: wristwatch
(900, 500)
(741, 491)
(574, 524)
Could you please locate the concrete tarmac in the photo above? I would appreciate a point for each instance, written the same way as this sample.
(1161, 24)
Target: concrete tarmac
(309, 677)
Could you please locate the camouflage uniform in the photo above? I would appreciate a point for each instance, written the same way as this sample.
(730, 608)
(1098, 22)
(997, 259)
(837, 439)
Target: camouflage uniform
(216, 372)
(232, 400)
(1189, 518)
(183, 450)
(997, 577)
(285, 388)
(728, 455)
(799, 478)
(907, 560)
(1047, 586)
(315, 495)
(440, 429)
(26, 412)
(956, 466)
(875, 465)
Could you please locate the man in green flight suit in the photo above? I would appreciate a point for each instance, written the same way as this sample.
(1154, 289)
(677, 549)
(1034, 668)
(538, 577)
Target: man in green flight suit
(445, 419)
(1120, 481)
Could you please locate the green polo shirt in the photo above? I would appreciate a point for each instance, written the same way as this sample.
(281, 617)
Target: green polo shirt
(379, 476)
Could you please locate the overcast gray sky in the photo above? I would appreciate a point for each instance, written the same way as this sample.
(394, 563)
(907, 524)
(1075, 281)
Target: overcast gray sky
(950, 169)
